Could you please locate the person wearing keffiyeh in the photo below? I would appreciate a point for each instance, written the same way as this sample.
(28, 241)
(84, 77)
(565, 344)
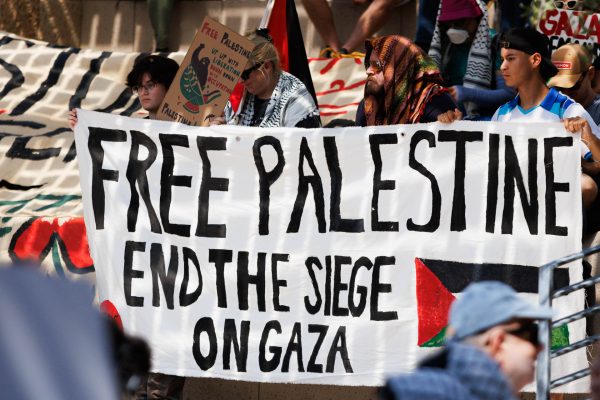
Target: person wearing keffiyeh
(462, 47)
(272, 97)
(404, 86)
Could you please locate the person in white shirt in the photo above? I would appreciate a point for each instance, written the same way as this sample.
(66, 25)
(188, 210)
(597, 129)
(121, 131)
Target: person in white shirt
(526, 67)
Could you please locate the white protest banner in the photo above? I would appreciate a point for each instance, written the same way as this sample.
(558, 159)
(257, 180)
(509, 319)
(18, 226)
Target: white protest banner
(567, 26)
(319, 256)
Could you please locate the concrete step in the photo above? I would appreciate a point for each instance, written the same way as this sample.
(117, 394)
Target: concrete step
(125, 25)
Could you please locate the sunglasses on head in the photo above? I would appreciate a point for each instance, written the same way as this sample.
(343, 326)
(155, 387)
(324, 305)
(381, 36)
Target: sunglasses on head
(527, 332)
(376, 66)
(246, 73)
(568, 4)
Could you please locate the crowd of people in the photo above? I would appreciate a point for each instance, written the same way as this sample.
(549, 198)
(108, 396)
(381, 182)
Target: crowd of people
(467, 72)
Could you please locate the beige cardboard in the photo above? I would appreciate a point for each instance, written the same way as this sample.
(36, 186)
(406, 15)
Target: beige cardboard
(209, 72)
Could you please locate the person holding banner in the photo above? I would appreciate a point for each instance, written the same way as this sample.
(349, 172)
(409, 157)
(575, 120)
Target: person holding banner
(491, 352)
(404, 86)
(150, 79)
(272, 97)
(527, 67)
(574, 79)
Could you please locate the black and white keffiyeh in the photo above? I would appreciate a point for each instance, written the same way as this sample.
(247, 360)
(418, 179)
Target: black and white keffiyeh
(290, 103)
(479, 64)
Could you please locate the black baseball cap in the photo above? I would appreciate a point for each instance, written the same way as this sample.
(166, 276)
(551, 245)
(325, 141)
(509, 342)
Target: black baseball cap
(530, 41)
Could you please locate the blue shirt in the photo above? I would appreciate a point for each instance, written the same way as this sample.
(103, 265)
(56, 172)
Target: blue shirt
(554, 108)
(468, 374)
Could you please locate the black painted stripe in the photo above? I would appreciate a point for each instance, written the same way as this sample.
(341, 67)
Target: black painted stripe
(7, 39)
(456, 276)
(84, 86)
(20, 150)
(16, 79)
(4, 184)
(135, 106)
(26, 124)
(53, 76)
(56, 132)
(120, 102)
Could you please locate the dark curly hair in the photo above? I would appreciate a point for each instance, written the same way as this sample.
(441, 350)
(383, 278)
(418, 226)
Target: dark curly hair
(161, 70)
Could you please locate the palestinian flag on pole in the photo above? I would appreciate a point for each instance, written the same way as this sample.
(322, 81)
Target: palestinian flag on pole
(281, 19)
(439, 282)
(284, 28)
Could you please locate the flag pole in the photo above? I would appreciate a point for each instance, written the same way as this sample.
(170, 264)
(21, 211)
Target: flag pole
(267, 15)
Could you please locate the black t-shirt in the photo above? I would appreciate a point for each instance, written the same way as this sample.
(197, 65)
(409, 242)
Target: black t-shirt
(260, 107)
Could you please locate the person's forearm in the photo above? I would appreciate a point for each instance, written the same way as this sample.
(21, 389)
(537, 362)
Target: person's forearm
(488, 98)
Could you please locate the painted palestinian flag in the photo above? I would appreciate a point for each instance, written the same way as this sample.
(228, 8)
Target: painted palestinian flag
(438, 283)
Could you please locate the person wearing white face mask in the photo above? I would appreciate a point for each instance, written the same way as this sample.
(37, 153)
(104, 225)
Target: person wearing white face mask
(462, 48)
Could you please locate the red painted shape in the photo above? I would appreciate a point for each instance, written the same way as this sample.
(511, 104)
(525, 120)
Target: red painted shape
(339, 86)
(433, 303)
(334, 106)
(329, 65)
(33, 240)
(329, 114)
(74, 237)
(109, 309)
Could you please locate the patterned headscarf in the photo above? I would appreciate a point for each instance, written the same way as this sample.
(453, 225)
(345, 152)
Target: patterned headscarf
(411, 79)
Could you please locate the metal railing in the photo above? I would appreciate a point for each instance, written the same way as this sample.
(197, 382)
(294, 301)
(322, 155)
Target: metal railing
(547, 293)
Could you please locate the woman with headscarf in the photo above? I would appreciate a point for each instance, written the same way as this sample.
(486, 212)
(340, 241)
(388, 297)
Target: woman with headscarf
(404, 85)
(272, 97)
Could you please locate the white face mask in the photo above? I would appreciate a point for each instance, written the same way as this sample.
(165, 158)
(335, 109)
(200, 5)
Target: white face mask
(457, 36)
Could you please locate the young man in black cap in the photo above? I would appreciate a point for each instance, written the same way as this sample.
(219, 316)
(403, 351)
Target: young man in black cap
(526, 67)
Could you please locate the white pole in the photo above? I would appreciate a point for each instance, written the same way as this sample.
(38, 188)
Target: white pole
(267, 15)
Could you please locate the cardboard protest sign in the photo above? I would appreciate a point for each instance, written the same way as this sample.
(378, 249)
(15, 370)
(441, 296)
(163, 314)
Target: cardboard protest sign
(320, 256)
(566, 26)
(211, 68)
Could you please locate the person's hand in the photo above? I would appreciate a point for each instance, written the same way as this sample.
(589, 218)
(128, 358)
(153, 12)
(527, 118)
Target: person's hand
(72, 118)
(580, 124)
(216, 121)
(577, 124)
(450, 116)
